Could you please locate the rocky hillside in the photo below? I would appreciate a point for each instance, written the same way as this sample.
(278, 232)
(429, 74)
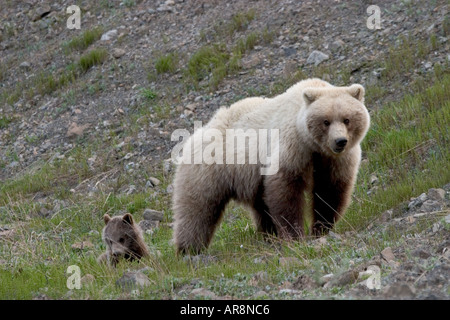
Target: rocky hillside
(86, 118)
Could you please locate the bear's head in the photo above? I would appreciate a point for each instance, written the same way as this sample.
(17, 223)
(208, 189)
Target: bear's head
(121, 236)
(335, 117)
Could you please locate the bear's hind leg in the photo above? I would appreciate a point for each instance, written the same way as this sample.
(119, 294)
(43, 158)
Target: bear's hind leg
(195, 223)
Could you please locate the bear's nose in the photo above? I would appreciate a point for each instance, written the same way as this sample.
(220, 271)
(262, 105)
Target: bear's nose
(341, 142)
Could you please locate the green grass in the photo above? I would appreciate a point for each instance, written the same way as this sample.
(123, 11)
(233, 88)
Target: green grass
(166, 63)
(92, 58)
(208, 62)
(46, 81)
(407, 148)
(83, 41)
(215, 62)
(4, 122)
(240, 21)
(148, 94)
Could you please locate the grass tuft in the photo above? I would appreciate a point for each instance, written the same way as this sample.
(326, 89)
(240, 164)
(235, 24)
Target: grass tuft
(92, 58)
(166, 63)
(83, 41)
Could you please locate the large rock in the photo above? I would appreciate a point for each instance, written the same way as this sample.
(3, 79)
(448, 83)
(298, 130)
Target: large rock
(117, 53)
(110, 35)
(133, 280)
(202, 293)
(436, 194)
(316, 57)
(75, 130)
(153, 215)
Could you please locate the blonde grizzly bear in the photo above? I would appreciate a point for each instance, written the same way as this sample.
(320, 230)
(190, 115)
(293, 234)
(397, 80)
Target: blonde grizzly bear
(318, 152)
(123, 240)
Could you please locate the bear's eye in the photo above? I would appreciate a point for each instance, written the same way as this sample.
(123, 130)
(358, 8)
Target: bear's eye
(121, 240)
(326, 122)
(346, 121)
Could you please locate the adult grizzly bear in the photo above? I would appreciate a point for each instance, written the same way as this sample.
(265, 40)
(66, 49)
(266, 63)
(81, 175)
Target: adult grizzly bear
(320, 128)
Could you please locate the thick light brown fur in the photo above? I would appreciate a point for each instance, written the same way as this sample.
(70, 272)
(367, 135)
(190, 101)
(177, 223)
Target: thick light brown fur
(123, 239)
(314, 118)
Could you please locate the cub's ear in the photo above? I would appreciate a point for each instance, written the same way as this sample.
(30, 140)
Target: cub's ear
(310, 95)
(106, 218)
(356, 91)
(128, 218)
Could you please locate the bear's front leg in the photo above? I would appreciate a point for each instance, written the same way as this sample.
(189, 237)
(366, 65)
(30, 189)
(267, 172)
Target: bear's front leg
(283, 194)
(332, 191)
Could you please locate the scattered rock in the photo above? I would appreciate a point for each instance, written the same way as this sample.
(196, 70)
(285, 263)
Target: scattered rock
(153, 215)
(110, 35)
(304, 282)
(430, 206)
(447, 219)
(436, 194)
(400, 291)
(133, 280)
(168, 166)
(326, 278)
(118, 53)
(334, 235)
(75, 130)
(87, 279)
(387, 254)
(154, 181)
(289, 291)
(94, 233)
(131, 189)
(387, 215)
(25, 65)
(188, 113)
(373, 179)
(200, 259)
(419, 253)
(42, 10)
(316, 57)
(191, 107)
(336, 45)
(203, 293)
(417, 202)
(260, 294)
(148, 226)
(6, 233)
(83, 245)
(260, 278)
(169, 188)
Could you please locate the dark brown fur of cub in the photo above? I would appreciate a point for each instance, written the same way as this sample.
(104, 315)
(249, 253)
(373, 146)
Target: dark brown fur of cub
(123, 239)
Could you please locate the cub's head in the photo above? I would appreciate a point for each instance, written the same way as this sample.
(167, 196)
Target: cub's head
(121, 237)
(336, 117)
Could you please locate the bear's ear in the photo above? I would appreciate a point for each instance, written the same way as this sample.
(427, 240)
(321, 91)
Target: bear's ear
(356, 91)
(310, 95)
(106, 218)
(128, 218)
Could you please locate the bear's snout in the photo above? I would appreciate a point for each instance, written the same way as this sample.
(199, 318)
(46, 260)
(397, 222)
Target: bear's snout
(340, 144)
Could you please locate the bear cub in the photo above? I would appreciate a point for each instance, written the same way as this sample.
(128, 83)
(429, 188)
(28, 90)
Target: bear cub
(123, 239)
